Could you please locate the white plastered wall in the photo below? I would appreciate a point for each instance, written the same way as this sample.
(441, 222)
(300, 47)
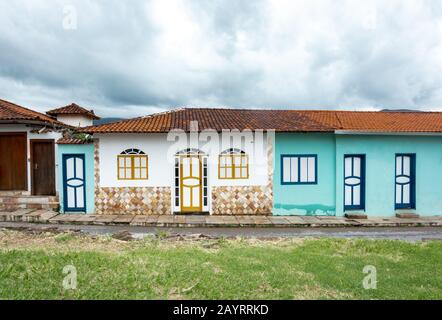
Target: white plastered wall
(75, 120)
(161, 160)
(28, 128)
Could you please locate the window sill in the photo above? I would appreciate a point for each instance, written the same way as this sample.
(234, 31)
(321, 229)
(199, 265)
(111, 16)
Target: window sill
(355, 210)
(403, 210)
(180, 213)
(298, 183)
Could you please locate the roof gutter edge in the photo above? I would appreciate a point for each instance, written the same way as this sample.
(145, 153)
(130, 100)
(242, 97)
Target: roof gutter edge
(187, 131)
(35, 122)
(388, 133)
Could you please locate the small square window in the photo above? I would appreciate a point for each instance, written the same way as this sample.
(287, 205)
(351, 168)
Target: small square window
(233, 164)
(299, 169)
(132, 167)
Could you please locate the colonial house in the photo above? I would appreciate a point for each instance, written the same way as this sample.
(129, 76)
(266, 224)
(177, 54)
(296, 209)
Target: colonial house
(365, 163)
(30, 162)
(262, 162)
(185, 161)
(27, 157)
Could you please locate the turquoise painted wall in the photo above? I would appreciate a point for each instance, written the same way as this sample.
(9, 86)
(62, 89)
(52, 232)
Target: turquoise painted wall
(318, 199)
(380, 154)
(88, 151)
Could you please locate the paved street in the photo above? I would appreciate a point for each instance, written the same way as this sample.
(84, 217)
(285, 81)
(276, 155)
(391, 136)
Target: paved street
(404, 233)
(415, 229)
(171, 221)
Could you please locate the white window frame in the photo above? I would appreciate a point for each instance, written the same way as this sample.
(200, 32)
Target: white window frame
(299, 169)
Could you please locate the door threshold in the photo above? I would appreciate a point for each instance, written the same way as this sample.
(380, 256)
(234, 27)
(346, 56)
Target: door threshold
(204, 213)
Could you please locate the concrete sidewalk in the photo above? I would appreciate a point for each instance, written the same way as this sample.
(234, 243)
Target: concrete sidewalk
(45, 216)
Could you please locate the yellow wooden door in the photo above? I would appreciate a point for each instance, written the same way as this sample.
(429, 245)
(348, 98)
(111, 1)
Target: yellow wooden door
(191, 183)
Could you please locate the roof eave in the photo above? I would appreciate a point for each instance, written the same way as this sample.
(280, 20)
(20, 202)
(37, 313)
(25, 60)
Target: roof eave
(188, 131)
(388, 133)
(34, 122)
(88, 115)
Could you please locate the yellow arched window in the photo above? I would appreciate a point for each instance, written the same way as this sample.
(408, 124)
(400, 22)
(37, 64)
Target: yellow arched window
(132, 165)
(233, 164)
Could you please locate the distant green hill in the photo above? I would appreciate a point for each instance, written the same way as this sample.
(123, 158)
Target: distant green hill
(400, 110)
(106, 120)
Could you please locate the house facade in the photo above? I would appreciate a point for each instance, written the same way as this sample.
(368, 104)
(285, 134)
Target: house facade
(360, 174)
(32, 169)
(182, 162)
(233, 162)
(370, 164)
(28, 163)
(150, 174)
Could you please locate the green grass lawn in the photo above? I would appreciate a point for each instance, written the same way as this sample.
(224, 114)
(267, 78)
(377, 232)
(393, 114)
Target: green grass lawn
(31, 267)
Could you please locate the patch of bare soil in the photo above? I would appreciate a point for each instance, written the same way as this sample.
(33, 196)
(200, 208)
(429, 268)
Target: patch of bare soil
(52, 238)
(57, 240)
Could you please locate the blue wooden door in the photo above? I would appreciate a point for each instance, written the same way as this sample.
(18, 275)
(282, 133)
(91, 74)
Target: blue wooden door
(74, 189)
(405, 181)
(354, 182)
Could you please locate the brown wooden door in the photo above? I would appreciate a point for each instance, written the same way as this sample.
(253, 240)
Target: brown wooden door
(13, 169)
(43, 167)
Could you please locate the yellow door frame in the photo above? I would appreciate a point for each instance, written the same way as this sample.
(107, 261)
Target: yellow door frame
(182, 184)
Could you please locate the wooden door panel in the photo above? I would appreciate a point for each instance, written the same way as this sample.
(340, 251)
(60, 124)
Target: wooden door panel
(43, 168)
(13, 169)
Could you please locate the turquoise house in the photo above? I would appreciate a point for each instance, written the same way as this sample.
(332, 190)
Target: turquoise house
(360, 164)
(76, 176)
(386, 186)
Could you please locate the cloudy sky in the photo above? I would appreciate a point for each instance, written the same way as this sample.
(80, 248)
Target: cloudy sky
(130, 58)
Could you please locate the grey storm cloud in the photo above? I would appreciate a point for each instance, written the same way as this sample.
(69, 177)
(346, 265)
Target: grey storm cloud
(129, 58)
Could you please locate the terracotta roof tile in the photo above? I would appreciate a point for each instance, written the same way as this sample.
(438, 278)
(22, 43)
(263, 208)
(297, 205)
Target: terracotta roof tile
(72, 141)
(73, 109)
(216, 119)
(12, 112)
(279, 120)
(391, 121)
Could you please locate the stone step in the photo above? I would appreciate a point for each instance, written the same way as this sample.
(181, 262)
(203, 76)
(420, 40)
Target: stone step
(28, 202)
(407, 215)
(14, 216)
(36, 206)
(355, 216)
(28, 199)
(14, 193)
(27, 215)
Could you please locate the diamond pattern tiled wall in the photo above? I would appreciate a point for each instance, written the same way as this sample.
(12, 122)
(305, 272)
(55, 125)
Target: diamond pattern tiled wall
(97, 163)
(254, 200)
(133, 200)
